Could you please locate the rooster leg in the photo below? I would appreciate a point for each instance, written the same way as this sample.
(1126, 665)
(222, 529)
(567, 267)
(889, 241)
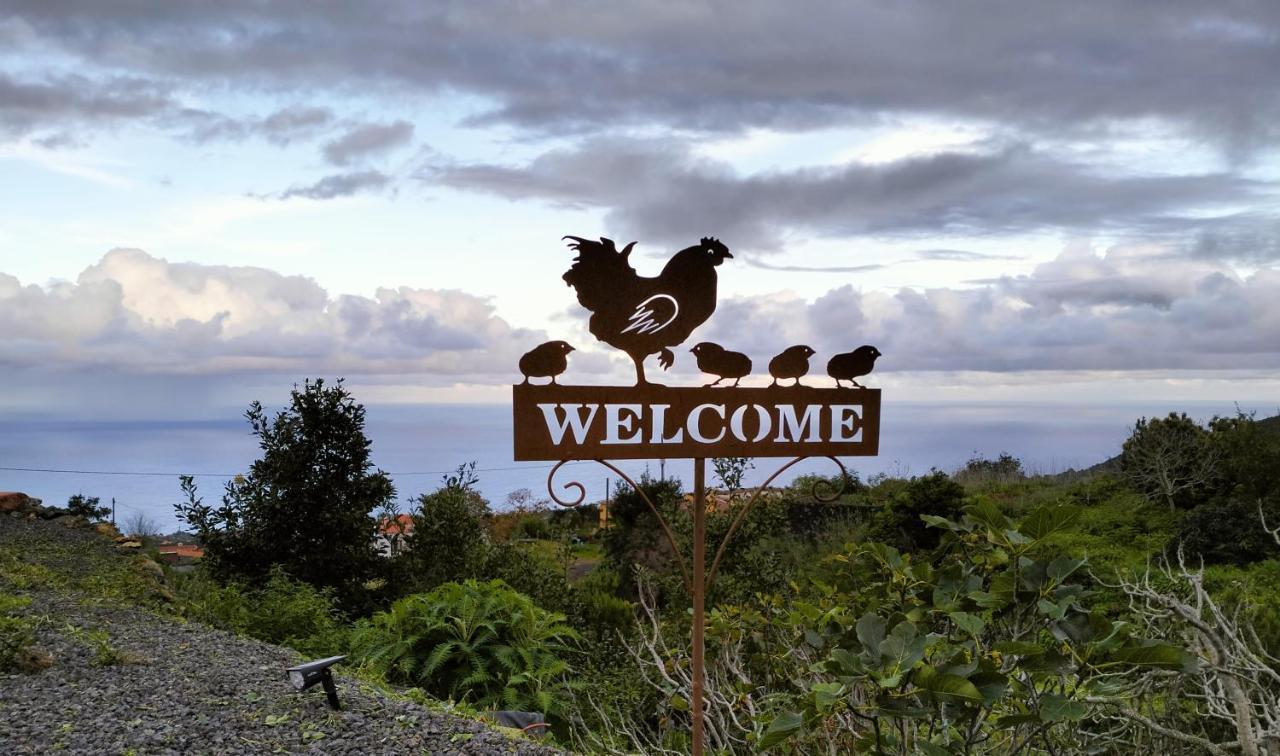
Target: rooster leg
(855, 383)
(640, 379)
(666, 358)
(709, 385)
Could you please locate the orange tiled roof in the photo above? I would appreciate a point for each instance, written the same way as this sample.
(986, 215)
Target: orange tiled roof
(401, 525)
(181, 550)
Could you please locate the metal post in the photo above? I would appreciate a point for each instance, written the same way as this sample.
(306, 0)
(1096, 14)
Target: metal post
(330, 690)
(699, 595)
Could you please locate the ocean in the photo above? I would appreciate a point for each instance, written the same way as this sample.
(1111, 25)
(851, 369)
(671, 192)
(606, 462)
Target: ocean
(137, 462)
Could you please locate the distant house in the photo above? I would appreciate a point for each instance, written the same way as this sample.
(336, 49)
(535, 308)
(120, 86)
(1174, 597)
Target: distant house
(180, 554)
(391, 536)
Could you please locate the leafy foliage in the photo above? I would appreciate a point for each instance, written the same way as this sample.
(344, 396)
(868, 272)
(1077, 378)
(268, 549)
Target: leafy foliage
(932, 495)
(87, 507)
(305, 504)
(16, 631)
(282, 611)
(449, 539)
(989, 644)
(480, 642)
(1225, 531)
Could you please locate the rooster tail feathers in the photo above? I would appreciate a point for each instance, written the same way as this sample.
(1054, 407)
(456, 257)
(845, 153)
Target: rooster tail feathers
(600, 272)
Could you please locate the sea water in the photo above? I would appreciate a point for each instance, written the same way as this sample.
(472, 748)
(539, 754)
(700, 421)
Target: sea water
(137, 462)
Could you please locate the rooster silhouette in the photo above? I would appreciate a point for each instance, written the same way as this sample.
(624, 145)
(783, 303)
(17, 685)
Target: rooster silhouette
(639, 315)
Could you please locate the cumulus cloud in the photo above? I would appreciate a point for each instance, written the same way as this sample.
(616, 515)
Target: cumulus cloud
(1132, 308)
(656, 188)
(339, 185)
(366, 140)
(135, 313)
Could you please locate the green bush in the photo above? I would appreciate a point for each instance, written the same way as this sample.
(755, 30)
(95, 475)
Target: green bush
(479, 642)
(450, 540)
(16, 632)
(87, 507)
(1226, 531)
(284, 611)
(934, 495)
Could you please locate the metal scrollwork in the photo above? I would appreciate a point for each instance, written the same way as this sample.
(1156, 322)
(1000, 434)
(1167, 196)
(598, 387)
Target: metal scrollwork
(582, 495)
(582, 490)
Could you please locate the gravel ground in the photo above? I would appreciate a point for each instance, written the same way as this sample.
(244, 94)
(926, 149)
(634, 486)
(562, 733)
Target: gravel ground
(183, 688)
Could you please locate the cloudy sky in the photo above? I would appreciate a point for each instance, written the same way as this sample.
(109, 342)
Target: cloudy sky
(1066, 201)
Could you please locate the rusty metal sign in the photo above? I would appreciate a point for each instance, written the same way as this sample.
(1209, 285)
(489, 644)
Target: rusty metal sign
(656, 422)
(644, 317)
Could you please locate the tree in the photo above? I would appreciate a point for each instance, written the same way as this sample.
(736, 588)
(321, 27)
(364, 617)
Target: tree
(87, 507)
(1234, 702)
(141, 525)
(305, 504)
(1170, 460)
(731, 471)
(449, 537)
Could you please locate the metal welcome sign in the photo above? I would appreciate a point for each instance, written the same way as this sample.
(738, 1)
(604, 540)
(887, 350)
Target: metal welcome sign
(645, 317)
(651, 422)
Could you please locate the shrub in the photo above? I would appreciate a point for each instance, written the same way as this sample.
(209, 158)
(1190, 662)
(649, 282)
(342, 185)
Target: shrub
(1003, 469)
(87, 507)
(935, 495)
(449, 541)
(1226, 531)
(480, 642)
(16, 632)
(284, 611)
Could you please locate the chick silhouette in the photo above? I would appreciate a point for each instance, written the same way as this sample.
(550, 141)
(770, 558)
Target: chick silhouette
(850, 365)
(792, 363)
(714, 359)
(545, 361)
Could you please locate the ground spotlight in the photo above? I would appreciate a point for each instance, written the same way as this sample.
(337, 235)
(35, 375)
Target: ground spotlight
(304, 676)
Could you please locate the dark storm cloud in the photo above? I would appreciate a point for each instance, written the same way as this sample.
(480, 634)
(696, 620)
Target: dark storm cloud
(29, 103)
(658, 189)
(1051, 67)
(339, 185)
(366, 140)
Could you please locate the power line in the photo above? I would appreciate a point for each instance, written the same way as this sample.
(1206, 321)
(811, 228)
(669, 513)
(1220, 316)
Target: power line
(154, 474)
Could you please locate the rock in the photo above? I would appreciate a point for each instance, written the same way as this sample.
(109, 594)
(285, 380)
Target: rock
(13, 501)
(107, 529)
(129, 545)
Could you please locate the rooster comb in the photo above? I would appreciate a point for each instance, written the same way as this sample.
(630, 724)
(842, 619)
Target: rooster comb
(711, 243)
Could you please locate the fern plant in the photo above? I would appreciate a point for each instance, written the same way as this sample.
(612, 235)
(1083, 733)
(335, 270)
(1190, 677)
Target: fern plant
(480, 642)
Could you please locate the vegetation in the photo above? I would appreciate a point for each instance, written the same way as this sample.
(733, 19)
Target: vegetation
(87, 507)
(983, 611)
(304, 505)
(483, 643)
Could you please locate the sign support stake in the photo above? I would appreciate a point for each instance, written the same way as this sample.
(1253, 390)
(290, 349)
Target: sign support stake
(699, 596)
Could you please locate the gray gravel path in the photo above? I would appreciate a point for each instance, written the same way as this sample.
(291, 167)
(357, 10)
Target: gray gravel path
(187, 689)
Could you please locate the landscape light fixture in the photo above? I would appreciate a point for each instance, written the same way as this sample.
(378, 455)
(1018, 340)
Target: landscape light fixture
(304, 676)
